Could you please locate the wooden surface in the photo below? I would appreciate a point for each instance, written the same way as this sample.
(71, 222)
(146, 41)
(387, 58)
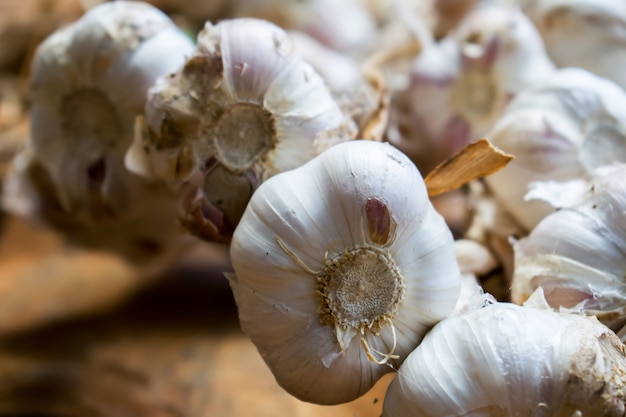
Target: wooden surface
(89, 340)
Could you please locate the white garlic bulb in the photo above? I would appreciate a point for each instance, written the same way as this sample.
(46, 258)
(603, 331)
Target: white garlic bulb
(342, 25)
(460, 85)
(589, 34)
(244, 107)
(558, 130)
(89, 82)
(576, 255)
(342, 73)
(341, 266)
(507, 360)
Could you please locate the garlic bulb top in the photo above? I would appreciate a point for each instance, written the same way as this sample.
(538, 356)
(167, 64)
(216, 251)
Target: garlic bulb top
(576, 255)
(341, 266)
(558, 130)
(460, 85)
(244, 107)
(507, 360)
(590, 34)
(89, 81)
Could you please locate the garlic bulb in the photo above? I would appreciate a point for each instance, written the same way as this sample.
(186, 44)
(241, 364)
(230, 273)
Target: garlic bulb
(244, 107)
(341, 266)
(558, 130)
(342, 25)
(341, 72)
(507, 360)
(576, 255)
(589, 34)
(89, 81)
(460, 85)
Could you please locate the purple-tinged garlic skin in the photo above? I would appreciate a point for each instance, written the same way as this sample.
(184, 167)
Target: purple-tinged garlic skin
(460, 85)
(558, 130)
(507, 360)
(341, 266)
(244, 107)
(576, 255)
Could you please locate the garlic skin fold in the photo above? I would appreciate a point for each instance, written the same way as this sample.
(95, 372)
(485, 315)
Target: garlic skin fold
(341, 266)
(507, 360)
(89, 82)
(558, 130)
(244, 107)
(576, 255)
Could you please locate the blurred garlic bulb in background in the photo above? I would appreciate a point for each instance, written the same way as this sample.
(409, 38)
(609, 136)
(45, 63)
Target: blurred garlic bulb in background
(341, 25)
(244, 107)
(559, 130)
(589, 34)
(577, 254)
(460, 84)
(507, 360)
(89, 82)
(341, 266)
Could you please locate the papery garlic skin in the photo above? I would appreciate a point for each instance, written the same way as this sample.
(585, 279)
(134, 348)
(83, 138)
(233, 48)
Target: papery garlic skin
(244, 107)
(558, 130)
(89, 82)
(460, 85)
(341, 266)
(576, 255)
(507, 360)
(589, 34)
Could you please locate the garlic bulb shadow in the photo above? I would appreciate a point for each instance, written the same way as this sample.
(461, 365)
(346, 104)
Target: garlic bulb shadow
(341, 266)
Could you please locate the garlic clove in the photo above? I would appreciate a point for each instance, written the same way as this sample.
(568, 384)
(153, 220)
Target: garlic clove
(589, 34)
(576, 254)
(314, 237)
(558, 130)
(510, 360)
(244, 107)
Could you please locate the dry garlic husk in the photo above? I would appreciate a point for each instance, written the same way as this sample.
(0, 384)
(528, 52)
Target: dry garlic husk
(244, 107)
(460, 84)
(590, 34)
(341, 266)
(507, 360)
(89, 81)
(576, 255)
(558, 130)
